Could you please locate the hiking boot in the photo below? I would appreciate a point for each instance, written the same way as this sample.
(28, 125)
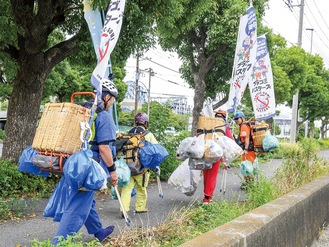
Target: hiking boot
(102, 234)
(206, 200)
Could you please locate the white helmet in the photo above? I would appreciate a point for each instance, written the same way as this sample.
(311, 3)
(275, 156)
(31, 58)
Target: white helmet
(109, 86)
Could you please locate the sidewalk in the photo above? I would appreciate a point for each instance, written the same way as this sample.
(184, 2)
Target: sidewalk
(21, 232)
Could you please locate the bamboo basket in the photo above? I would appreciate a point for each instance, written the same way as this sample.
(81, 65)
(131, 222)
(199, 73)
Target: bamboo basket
(59, 128)
(258, 134)
(208, 125)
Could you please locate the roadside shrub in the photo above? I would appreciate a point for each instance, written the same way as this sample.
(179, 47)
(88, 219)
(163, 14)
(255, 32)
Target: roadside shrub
(14, 183)
(171, 142)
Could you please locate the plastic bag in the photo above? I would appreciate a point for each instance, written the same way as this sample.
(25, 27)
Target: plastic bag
(270, 142)
(123, 172)
(25, 163)
(256, 166)
(231, 149)
(57, 201)
(191, 147)
(213, 152)
(246, 168)
(198, 164)
(151, 155)
(184, 179)
(82, 172)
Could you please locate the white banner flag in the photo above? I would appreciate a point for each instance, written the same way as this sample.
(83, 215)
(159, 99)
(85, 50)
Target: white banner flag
(245, 56)
(94, 20)
(109, 38)
(261, 87)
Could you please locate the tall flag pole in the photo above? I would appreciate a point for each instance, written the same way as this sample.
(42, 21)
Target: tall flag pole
(261, 87)
(245, 56)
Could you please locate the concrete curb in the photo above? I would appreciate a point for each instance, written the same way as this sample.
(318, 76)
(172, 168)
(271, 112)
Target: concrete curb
(291, 220)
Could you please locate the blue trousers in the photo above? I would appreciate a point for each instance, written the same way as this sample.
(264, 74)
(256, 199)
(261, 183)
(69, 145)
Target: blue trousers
(80, 210)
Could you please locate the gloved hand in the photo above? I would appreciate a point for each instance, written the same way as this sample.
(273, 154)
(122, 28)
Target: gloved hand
(157, 171)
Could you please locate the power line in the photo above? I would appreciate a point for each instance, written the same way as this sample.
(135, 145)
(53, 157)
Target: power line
(149, 59)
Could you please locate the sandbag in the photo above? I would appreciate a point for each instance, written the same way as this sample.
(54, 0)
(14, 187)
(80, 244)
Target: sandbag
(25, 163)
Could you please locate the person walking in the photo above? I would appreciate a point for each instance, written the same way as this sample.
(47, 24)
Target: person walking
(246, 144)
(139, 181)
(80, 208)
(210, 175)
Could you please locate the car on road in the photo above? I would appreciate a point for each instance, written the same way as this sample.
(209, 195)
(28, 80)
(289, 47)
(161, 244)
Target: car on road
(171, 131)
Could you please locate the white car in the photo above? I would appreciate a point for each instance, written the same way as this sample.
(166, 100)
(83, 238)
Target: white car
(170, 131)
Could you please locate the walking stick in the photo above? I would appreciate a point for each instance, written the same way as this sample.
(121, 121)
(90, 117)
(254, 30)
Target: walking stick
(223, 183)
(122, 207)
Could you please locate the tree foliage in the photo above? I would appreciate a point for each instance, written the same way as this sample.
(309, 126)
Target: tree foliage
(204, 35)
(31, 46)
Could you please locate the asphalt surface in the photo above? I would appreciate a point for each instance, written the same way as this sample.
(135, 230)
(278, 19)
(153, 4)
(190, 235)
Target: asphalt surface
(21, 232)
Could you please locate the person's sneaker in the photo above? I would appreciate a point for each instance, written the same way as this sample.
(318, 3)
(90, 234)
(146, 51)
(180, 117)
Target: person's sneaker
(206, 200)
(141, 211)
(102, 234)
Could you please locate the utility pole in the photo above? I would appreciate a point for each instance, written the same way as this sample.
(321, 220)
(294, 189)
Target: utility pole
(151, 73)
(294, 117)
(136, 84)
(306, 123)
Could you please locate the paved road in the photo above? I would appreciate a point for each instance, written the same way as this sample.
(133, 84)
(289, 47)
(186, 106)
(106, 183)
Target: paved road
(21, 232)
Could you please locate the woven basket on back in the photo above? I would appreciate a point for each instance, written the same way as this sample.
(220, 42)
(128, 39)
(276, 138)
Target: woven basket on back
(59, 128)
(208, 125)
(258, 134)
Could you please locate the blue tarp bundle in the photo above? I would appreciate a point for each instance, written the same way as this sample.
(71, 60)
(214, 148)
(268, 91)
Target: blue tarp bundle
(79, 173)
(151, 155)
(25, 163)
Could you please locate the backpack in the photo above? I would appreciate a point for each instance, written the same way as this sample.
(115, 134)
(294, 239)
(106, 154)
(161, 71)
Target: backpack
(128, 146)
(257, 135)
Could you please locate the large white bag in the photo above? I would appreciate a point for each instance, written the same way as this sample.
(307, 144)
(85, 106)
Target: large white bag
(191, 147)
(184, 179)
(231, 150)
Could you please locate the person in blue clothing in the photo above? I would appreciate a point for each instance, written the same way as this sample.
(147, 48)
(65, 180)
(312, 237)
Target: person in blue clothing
(80, 208)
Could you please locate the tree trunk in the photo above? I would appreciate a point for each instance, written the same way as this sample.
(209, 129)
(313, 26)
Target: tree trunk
(23, 108)
(312, 130)
(198, 99)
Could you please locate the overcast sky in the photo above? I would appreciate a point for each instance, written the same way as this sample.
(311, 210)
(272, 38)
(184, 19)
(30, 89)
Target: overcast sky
(285, 21)
(281, 18)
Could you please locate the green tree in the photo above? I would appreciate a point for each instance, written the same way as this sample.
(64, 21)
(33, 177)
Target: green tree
(204, 35)
(26, 30)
